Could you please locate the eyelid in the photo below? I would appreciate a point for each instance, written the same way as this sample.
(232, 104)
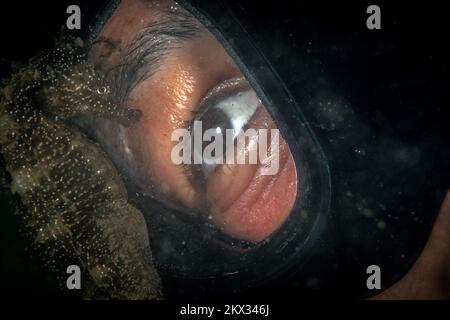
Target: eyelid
(220, 92)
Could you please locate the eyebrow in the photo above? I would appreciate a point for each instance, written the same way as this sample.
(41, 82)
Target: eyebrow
(145, 53)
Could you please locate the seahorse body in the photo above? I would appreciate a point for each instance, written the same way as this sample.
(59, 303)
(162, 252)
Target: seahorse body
(76, 204)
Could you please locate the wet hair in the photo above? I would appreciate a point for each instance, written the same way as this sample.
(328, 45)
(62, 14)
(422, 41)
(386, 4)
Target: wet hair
(169, 30)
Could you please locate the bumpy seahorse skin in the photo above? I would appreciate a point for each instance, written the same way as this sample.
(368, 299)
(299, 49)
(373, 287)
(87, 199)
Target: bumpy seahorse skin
(76, 204)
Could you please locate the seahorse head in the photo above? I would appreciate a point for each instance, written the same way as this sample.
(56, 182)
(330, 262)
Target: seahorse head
(78, 87)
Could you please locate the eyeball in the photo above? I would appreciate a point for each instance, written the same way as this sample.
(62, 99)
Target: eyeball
(229, 113)
(102, 90)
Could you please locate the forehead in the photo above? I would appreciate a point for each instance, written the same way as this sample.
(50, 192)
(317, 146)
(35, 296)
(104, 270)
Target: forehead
(127, 21)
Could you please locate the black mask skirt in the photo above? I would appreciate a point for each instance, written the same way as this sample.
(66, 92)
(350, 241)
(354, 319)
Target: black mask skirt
(370, 171)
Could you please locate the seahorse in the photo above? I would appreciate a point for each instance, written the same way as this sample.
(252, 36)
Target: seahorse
(75, 201)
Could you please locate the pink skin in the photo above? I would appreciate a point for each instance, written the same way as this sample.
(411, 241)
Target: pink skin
(429, 278)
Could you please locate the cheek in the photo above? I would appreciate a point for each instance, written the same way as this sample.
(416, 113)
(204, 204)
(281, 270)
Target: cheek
(247, 204)
(165, 105)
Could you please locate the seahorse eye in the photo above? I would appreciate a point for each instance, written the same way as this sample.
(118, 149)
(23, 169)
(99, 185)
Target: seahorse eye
(102, 90)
